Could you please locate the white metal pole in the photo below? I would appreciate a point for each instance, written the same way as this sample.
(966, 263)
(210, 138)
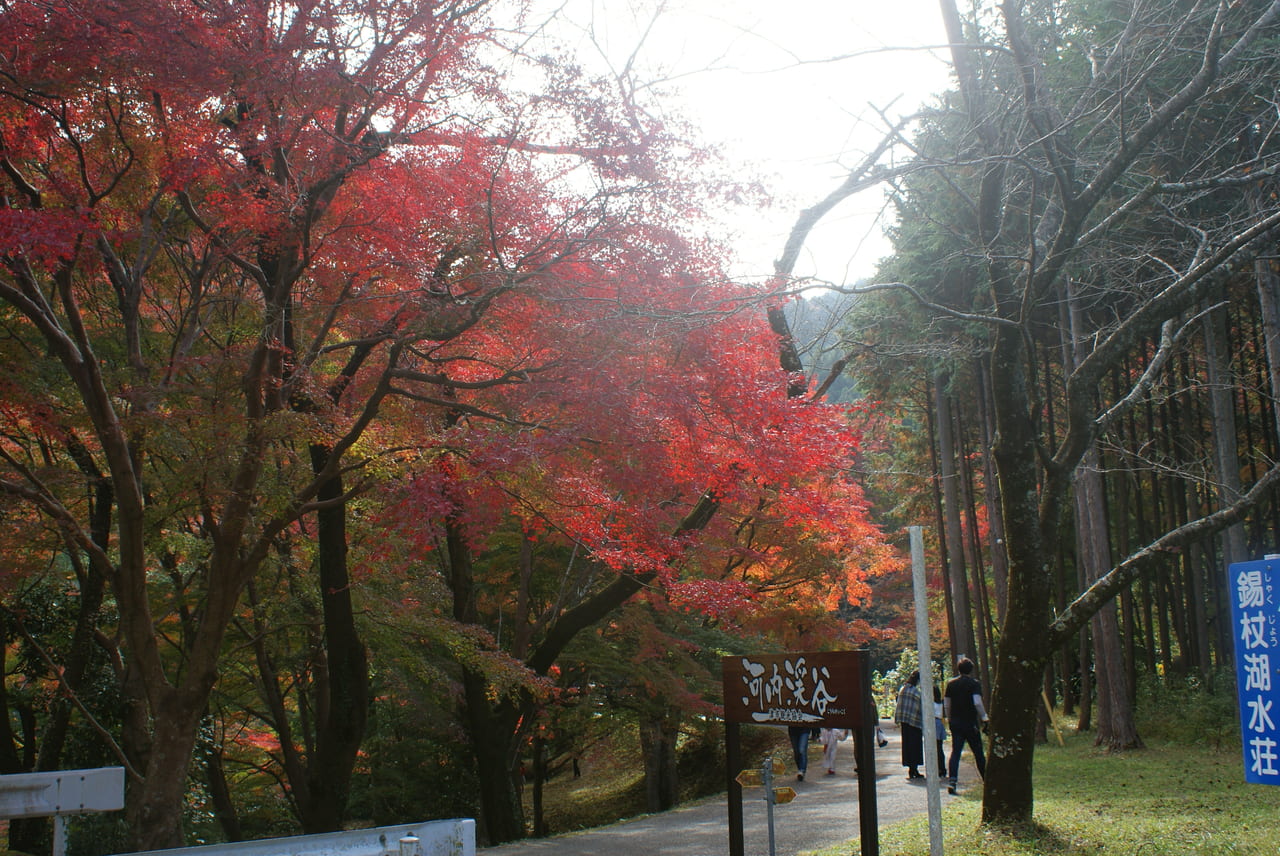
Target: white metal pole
(924, 654)
(59, 835)
(766, 774)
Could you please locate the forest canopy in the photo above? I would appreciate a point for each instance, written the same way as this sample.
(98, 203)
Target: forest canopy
(1081, 312)
(363, 357)
(380, 410)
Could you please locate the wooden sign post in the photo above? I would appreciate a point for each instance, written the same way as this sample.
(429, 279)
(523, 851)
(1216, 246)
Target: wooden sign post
(830, 689)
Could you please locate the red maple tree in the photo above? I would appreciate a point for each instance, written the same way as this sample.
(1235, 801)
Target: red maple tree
(260, 258)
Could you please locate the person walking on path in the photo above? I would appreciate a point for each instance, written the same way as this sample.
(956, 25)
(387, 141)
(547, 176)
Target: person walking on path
(831, 738)
(939, 731)
(909, 715)
(963, 708)
(799, 735)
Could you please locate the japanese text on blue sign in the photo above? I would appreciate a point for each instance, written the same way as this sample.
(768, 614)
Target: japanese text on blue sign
(1255, 612)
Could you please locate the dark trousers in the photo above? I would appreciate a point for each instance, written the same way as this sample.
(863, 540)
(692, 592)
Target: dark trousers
(800, 747)
(912, 746)
(962, 733)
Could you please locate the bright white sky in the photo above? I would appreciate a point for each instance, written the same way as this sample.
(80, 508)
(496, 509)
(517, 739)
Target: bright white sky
(761, 78)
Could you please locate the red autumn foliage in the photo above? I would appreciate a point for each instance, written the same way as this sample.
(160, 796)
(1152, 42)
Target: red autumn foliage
(249, 250)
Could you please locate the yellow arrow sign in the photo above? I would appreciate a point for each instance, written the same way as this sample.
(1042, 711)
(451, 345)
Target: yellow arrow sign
(779, 766)
(782, 796)
(750, 778)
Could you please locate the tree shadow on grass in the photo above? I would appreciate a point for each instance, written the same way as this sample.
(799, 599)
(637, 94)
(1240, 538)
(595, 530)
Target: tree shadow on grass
(1038, 838)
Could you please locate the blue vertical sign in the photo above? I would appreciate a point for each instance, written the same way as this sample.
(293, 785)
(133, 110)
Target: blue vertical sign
(1255, 614)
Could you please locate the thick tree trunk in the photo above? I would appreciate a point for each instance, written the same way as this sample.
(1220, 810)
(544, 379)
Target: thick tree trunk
(224, 807)
(962, 641)
(1116, 729)
(1123, 532)
(1066, 657)
(1198, 615)
(981, 598)
(539, 781)
(1268, 285)
(940, 519)
(162, 716)
(494, 741)
(1008, 795)
(1008, 791)
(659, 731)
(1084, 660)
(344, 707)
(491, 726)
(995, 517)
(1226, 452)
(155, 813)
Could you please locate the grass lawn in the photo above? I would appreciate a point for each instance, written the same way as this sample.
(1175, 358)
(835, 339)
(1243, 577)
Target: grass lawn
(1169, 799)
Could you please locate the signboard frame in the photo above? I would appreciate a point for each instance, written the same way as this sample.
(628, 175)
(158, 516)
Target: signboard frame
(829, 689)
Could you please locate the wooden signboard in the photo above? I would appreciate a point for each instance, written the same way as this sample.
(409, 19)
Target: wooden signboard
(829, 689)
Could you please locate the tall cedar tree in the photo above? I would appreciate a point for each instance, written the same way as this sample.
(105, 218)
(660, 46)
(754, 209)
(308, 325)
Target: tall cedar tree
(1074, 213)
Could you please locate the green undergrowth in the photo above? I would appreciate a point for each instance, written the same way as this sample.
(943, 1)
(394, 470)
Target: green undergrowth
(1188, 800)
(611, 786)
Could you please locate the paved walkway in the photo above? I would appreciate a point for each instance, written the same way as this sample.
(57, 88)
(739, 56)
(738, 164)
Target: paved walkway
(824, 813)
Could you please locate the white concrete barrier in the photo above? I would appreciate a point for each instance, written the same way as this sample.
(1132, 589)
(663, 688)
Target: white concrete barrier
(61, 794)
(432, 838)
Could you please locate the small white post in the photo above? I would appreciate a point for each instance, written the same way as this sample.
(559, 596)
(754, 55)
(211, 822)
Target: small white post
(409, 845)
(924, 654)
(766, 773)
(59, 835)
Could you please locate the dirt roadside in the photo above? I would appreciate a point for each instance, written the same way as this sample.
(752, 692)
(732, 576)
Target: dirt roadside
(824, 813)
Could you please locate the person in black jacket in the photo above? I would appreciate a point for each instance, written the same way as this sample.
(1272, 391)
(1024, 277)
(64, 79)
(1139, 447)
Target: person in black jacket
(963, 708)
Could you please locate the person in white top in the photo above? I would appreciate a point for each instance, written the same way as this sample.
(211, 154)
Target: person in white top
(831, 738)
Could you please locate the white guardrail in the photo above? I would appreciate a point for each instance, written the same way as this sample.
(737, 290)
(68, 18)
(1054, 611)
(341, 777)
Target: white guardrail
(432, 838)
(61, 795)
(65, 793)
